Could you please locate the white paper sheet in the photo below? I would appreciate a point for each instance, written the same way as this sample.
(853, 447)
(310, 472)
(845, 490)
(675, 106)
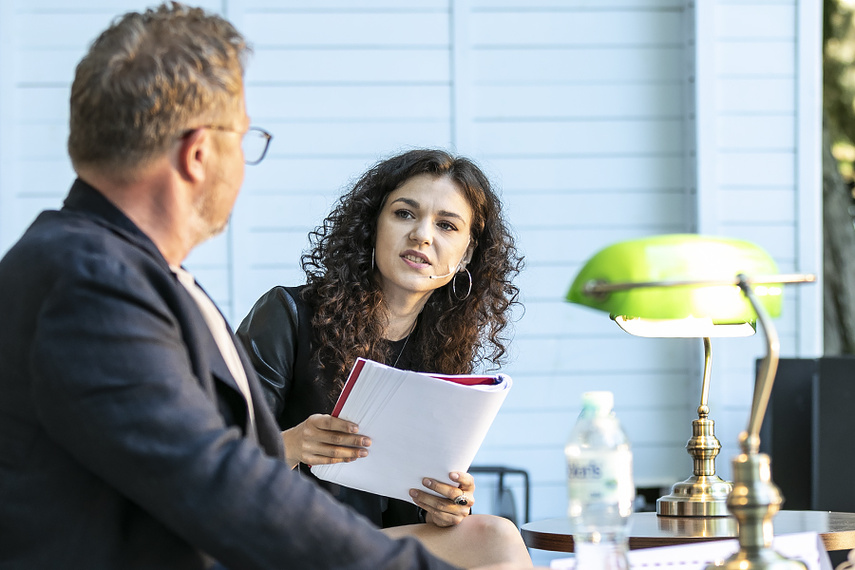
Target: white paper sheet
(419, 425)
(804, 546)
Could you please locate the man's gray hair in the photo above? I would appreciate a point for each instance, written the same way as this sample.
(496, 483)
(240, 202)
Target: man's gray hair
(149, 77)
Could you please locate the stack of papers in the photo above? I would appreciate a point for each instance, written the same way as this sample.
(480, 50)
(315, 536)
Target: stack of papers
(420, 425)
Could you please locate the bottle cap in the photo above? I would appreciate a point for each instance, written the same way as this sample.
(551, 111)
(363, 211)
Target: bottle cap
(601, 401)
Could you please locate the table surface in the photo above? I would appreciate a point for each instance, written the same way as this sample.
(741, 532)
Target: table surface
(646, 530)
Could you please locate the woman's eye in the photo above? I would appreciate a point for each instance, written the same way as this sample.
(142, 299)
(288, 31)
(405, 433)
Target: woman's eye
(403, 214)
(447, 226)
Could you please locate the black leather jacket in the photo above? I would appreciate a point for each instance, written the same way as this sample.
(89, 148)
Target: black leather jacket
(277, 334)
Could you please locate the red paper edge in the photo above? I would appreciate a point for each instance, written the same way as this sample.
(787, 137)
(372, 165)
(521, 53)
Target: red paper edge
(469, 381)
(348, 386)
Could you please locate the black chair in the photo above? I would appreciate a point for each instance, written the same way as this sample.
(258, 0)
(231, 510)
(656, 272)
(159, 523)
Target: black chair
(504, 504)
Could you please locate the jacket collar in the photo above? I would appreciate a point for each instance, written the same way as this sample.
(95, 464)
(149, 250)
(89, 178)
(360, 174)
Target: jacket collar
(86, 200)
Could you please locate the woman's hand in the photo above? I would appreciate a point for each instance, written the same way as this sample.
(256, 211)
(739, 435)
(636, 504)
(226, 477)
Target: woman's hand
(323, 439)
(455, 503)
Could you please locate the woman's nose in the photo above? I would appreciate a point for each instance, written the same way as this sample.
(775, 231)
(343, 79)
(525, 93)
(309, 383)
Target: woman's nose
(422, 233)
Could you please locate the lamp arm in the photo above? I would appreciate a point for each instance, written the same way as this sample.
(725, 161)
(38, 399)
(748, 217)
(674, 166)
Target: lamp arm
(750, 440)
(599, 288)
(703, 408)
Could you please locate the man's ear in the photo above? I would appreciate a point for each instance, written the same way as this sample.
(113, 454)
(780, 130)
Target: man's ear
(193, 154)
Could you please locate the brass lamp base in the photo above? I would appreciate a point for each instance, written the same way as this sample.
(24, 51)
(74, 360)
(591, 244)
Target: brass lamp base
(704, 494)
(753, 502)
(697, 496)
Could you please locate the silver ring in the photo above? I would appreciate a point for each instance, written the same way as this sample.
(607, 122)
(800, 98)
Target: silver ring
(461, 500)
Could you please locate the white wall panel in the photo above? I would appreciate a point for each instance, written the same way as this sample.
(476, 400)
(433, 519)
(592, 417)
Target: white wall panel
(299, 174)
(549, 245)
(778, 205)
(756, 141)
(487, 5)
(560, 392)
(579, 137)
(761, 20)
(552, 65)
(348, 65)
(582, 113)
(339, 5)
(580, 100)
(758, 169)
(582, 28)
(372, 138)
(584, 209)
(355, 29)
(590, 173)
(109, 8)
(755, 96)
(756, 59)
(389, 101)
(756, 132)
(68, 31)
(549, 280)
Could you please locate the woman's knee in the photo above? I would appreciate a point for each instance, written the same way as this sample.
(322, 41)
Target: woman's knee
(490, 528)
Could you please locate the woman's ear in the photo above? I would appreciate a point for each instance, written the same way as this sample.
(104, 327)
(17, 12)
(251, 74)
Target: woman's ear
(192, 155)
(467, 257)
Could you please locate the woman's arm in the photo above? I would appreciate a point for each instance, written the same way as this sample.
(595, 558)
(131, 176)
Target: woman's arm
(270, 335)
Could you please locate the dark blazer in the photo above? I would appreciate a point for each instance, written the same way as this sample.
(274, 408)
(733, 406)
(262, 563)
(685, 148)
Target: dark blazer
(123, 436)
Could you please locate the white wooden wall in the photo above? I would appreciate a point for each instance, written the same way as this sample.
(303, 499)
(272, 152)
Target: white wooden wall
(598, 121)
(759, 172)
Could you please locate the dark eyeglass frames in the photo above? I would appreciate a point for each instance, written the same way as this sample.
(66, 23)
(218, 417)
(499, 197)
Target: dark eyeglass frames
(254, 143)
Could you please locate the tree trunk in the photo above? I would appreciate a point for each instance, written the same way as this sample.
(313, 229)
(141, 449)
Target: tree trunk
(838, 257)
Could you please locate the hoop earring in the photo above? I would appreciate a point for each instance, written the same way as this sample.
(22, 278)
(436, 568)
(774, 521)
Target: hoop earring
(454, 286)
(372, 260)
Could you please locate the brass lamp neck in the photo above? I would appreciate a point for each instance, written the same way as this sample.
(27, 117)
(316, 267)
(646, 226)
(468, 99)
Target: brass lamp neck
(750, 440)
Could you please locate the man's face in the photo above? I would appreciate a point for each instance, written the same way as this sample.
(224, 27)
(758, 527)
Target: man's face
(215, 203)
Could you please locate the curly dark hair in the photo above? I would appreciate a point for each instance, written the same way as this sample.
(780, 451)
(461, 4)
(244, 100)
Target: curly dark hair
(348, 302)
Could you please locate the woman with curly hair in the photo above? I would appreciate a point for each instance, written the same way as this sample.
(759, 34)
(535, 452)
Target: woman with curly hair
(412, 268)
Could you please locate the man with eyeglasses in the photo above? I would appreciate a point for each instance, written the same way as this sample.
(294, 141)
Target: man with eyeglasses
(133, 432)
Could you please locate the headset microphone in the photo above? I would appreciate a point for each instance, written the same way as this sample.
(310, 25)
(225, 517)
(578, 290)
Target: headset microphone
(443, 276)
(456, 269)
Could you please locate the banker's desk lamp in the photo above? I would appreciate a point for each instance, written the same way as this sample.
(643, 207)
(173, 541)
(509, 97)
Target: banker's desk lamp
(692, 286)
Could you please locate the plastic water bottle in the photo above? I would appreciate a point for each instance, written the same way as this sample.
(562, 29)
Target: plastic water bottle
(599, 485)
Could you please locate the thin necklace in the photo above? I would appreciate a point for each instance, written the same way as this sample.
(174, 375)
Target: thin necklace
(406, 340)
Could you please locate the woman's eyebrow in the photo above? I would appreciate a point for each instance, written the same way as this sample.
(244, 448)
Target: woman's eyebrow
(414, 204)
(407, 201)
(447, 214)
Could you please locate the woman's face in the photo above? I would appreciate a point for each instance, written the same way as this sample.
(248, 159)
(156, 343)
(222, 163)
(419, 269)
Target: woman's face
(422, 236)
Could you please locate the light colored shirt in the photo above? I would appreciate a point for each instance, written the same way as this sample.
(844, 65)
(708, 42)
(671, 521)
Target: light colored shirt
(220, 331)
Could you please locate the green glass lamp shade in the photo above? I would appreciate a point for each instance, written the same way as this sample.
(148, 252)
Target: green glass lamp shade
(678, 276)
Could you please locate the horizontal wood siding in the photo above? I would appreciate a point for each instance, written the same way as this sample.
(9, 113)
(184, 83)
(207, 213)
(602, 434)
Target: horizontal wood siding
(578, 111)
(340, 84)
(753, 191)
(582, 113)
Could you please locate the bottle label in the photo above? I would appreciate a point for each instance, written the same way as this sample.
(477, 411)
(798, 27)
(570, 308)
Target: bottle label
(598, 477)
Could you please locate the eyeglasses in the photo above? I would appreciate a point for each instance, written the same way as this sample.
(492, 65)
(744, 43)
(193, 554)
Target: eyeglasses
(254, 143)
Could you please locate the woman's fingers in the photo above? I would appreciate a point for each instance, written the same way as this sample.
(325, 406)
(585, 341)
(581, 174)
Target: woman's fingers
(325, 439)
(462, 494)
(335, 431)
(455, 502)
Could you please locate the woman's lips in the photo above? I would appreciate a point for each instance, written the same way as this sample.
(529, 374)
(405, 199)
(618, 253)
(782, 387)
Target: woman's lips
(416, 259)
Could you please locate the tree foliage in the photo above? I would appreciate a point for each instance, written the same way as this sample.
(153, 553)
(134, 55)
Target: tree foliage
(838, 43)
(838, 134)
